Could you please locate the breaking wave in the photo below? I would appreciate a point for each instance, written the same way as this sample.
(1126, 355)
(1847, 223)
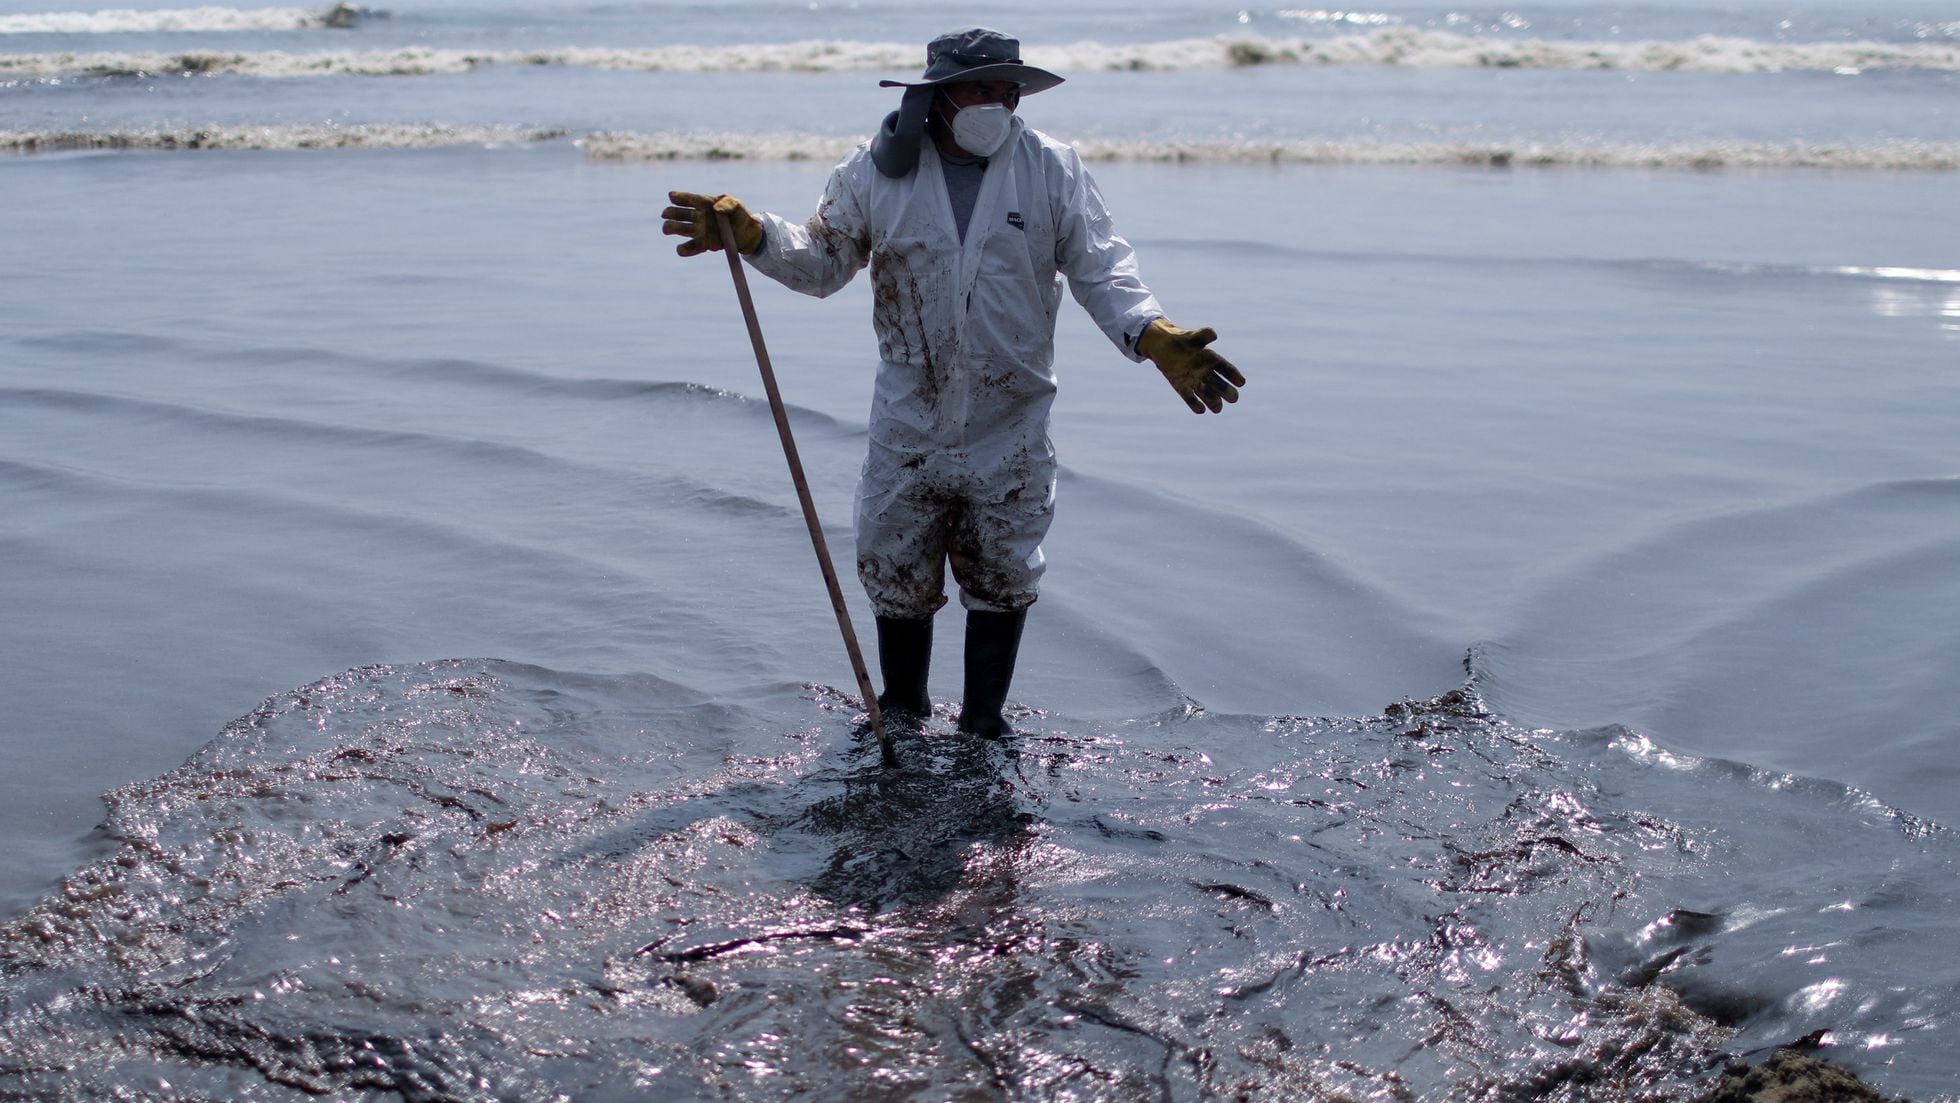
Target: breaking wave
(126, 21)
(1396, 46)
(1919, 155)
(322, 136)
(698, 146)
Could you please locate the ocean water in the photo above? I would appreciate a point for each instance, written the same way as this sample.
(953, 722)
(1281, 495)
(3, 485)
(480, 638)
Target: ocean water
(417, 684)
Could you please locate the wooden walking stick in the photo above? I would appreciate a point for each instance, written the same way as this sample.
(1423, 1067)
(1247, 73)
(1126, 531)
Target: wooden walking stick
(803, 489)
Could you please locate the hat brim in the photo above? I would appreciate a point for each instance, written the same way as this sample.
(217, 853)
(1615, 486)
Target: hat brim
(1030, 79)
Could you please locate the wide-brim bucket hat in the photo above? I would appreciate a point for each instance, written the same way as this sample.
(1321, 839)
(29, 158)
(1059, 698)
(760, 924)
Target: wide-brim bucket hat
(977, 53)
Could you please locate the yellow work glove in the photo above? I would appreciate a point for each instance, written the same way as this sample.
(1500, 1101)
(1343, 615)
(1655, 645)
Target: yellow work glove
(693, 217)
(1201, 377)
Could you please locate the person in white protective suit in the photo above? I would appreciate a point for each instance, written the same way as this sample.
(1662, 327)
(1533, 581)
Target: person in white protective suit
(969, 220)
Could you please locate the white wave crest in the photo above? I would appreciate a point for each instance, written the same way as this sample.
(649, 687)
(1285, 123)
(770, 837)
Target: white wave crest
(710, 146)
(1894, 155)
(428, 61)
(1393, 46)
(1324, 16)
(428, 136)
(1903, 155)
(629, 146)
(1422, 49)
(125, 21)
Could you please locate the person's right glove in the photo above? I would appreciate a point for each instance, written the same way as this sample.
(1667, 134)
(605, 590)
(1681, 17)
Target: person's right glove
(692, 216)
(1201, 377)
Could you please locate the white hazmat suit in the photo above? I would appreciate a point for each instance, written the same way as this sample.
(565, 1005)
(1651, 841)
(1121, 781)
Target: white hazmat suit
(960, 466)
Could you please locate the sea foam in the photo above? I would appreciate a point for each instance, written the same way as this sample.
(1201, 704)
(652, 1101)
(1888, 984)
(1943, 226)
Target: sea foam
(324, 136)
(127, 21)
(631, 146)
(1917, 155)
(1395, 46)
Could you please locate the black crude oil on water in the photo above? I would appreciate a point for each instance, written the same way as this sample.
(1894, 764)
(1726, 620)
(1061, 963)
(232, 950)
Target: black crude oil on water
(489, 881)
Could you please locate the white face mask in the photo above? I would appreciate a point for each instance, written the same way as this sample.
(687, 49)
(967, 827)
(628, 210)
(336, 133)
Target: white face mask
(982, 128)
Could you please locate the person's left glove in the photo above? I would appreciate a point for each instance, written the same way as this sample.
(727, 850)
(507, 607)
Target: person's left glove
(693, 217)
(1201, 377)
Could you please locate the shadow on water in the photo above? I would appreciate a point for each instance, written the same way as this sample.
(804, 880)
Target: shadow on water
(904, 836)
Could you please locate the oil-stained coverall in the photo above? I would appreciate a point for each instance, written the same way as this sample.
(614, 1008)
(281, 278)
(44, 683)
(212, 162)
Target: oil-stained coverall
(960, 467)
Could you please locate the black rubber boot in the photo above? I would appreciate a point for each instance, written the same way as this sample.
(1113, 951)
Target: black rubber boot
(992, 642)
(904, 657)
